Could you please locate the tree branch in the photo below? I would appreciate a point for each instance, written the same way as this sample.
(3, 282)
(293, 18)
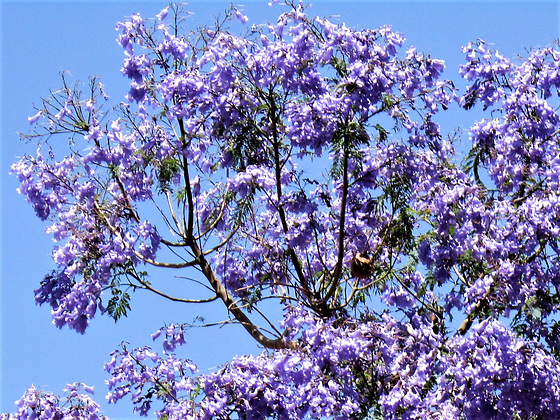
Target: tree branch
(190, 202)
(149, 287)
(281, 212)
(335, 279)
(471, 316)
(218, 287)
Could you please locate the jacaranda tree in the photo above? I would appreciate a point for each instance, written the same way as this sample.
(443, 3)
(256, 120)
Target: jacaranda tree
(301, 167)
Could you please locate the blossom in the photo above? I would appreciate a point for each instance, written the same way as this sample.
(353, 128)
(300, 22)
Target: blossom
(268, 164)
(33, 120)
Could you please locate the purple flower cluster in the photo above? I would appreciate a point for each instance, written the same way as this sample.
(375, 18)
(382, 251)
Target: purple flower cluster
(89, 199)
(494, 374)
(40, 405)
(144, 376)
(304, 163)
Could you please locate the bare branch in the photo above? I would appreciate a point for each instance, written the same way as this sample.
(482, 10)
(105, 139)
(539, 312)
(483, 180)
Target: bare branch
(173, 215)
(149, 287)
(164, 264)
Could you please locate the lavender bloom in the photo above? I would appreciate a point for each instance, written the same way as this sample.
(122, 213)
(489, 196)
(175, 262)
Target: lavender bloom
(304, 164)
(36, 404)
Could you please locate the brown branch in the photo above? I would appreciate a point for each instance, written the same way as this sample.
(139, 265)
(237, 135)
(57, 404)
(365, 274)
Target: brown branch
(115, 231)
(165, 264)
(224, 242)
(469, 319)
(149, 287)
(172, 244)
(220, 290)
(125, 196)
(335, 279)
(281, 212)
(186, 176)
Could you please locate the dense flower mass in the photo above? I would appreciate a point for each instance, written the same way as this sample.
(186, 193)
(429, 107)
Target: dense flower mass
(40, 405)
(303, 164)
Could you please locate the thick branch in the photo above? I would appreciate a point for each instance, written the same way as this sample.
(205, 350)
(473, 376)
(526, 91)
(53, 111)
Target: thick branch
(467, 322)
(282, 214)
(252, 329)
(338, 268)
(190, 201)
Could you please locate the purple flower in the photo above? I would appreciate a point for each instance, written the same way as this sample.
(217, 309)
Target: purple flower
(33, 120)
(272, 165)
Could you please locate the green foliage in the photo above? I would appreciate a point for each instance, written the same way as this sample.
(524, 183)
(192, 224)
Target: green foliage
(119, 304)
(245, 144)
(475, 160)
(167, 169)
(340, 66)
(348, 139)
(382, 134)
(125, 276)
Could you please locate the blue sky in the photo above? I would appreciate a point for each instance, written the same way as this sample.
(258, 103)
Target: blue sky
(40, 39)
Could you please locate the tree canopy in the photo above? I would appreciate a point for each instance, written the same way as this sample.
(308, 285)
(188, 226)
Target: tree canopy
(300, 169)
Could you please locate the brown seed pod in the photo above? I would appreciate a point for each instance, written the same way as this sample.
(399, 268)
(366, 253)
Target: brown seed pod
(362, 266)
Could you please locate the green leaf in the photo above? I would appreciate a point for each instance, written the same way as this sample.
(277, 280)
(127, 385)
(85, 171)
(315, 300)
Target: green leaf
(118, 306)
(168, 168)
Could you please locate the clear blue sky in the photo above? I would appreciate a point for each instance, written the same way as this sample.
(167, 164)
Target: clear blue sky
(39, 39)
